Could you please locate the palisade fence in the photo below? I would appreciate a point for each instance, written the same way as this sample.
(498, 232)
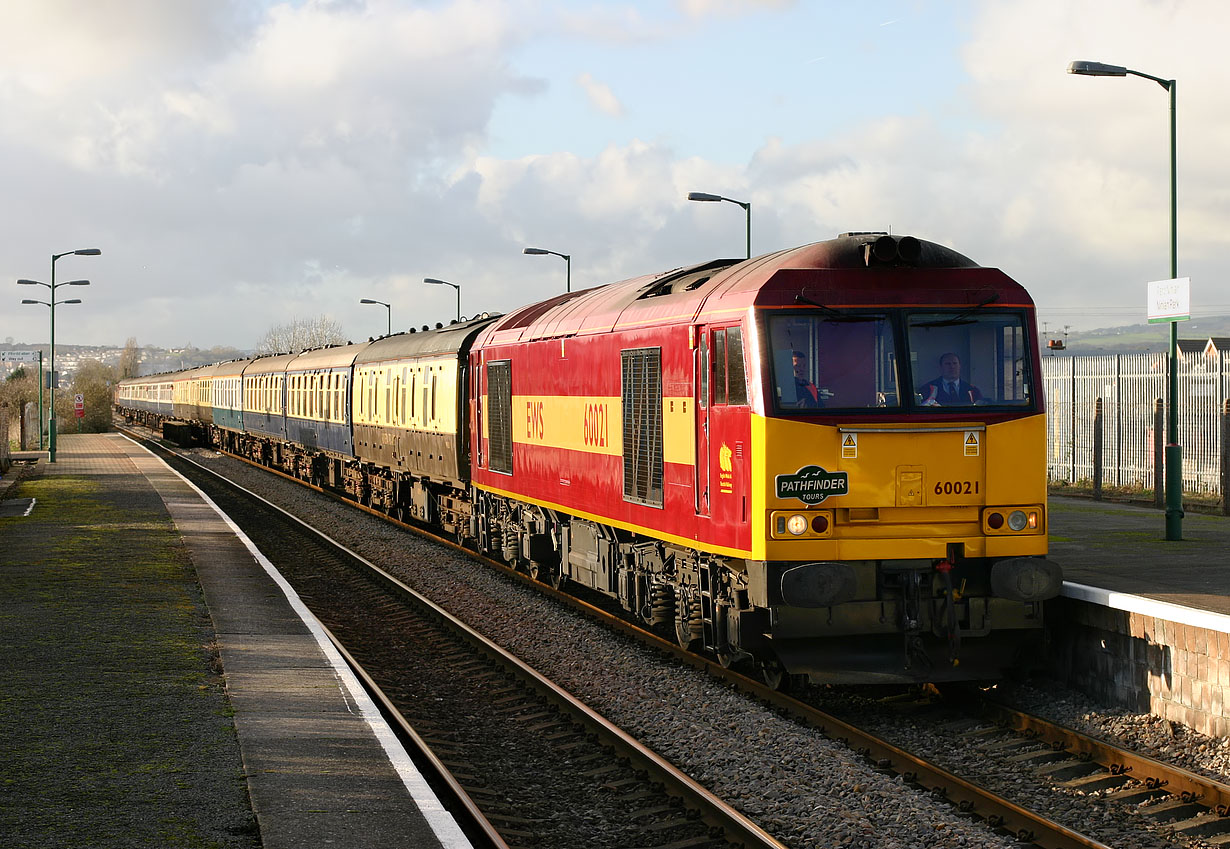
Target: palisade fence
(1133, 393)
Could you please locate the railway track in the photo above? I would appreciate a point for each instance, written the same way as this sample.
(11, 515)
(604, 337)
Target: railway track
(529, 764)
(1003, 815)
(1192, 805)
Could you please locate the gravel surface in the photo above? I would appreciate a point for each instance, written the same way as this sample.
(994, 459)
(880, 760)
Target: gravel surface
(803, 788)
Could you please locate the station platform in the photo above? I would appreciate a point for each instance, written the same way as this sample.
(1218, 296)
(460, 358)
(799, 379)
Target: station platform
(115, 530)
(1123, 548)
(1143, 622)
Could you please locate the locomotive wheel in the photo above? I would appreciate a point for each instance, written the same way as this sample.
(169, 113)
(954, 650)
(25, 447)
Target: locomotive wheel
(554, 577)
(777, 678)
(773, 676)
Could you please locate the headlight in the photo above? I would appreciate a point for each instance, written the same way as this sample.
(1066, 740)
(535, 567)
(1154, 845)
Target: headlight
(797, 524)
(1017, 520)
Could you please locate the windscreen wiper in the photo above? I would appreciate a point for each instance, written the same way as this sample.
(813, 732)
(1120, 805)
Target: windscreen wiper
(960, 318)
(832, 314)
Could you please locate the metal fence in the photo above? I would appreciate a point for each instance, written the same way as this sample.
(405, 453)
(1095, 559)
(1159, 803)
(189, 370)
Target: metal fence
(1131, 386)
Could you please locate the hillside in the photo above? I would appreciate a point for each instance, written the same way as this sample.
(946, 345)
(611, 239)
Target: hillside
(1139, 338)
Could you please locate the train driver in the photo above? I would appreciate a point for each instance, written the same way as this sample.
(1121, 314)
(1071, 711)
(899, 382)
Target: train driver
(949, 389)
(804, 390)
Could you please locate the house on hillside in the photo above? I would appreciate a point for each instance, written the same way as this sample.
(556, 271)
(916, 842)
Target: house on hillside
(1211, 346)
(1216, 345)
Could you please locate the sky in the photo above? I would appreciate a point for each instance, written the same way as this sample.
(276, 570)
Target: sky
(242, 164)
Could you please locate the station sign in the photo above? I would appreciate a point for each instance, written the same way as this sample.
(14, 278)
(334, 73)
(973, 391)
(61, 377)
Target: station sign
(1170, 300)
(19, 356)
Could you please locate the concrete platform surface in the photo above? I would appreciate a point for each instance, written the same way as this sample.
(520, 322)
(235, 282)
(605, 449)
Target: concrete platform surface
(1122, 548)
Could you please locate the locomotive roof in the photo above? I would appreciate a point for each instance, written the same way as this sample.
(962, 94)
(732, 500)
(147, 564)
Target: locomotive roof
(726, 287)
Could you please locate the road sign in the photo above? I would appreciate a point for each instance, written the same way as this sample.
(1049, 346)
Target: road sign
(1170, 300)
(79, 405)
(19, 356)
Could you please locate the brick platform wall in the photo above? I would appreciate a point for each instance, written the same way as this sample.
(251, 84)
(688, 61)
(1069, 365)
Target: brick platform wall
(1144, 662)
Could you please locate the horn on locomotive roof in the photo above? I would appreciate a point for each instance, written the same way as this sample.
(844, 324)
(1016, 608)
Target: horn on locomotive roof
(891, 250)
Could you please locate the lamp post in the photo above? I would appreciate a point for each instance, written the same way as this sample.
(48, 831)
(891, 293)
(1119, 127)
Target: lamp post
(567, 260)
(387, 307)
(51, 303)
(1174, 452)
(747, 207)
(446, 283)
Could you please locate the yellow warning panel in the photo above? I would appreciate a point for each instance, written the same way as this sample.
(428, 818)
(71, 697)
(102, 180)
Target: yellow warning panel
(971, 443)
(849, 446)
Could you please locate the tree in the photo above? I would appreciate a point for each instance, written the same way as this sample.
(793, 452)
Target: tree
(95, 382)
(130, 360)
(301, 334)
(19, 388)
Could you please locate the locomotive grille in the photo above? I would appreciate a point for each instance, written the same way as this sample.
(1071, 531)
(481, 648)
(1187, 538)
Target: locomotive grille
(642, 425)
(499, 416)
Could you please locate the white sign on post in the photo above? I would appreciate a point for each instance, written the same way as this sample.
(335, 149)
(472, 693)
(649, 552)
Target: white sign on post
(19, 356)
(1170, 300)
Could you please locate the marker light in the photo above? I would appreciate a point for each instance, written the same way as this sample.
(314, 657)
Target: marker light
(820, 523)
(995, 521)
(797, 524)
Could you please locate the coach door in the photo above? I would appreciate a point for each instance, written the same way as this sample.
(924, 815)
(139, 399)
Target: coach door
(700, 382)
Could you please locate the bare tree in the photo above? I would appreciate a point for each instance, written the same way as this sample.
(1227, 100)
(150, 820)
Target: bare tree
(130, 360)
(301, 334)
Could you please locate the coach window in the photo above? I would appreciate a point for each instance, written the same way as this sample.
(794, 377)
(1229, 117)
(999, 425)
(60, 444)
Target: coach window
(433, 397)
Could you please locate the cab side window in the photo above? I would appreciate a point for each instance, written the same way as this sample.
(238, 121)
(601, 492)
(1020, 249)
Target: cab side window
(729, 374)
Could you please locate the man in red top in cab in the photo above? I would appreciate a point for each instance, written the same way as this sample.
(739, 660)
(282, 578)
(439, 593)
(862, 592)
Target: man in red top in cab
(804, 390)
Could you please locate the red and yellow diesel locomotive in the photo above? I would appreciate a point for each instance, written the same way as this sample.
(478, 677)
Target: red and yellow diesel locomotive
(826, 461)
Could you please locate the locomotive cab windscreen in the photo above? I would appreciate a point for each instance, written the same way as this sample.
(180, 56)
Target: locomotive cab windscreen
(916, 361)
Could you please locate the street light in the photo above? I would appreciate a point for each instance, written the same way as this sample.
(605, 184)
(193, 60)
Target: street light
(1174, 452)
(446, 283)
(567, 261)
(51, 303)
(386, 306)
(747, 207)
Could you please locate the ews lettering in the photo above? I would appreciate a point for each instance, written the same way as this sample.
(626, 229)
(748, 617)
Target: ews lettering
(534, 420)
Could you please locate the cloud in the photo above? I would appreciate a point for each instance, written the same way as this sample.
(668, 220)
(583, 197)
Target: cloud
(601, 96)
(236, 161)
(705, 8)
